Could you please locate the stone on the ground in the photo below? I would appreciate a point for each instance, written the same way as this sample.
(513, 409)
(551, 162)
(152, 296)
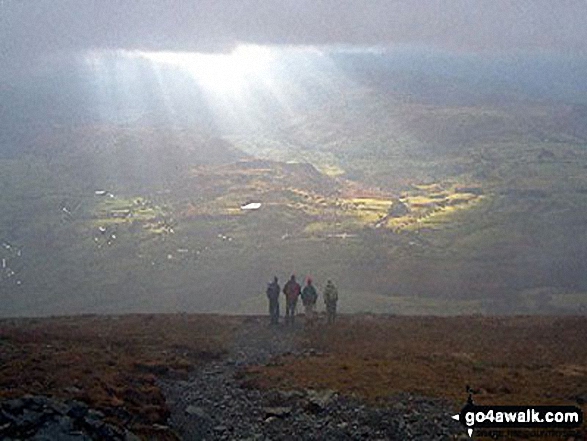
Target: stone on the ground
(197, 412)
(42, 418)
(317, 401)
(238, 411)
(279, 412)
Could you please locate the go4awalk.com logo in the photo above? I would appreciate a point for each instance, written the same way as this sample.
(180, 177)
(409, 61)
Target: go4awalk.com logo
(474, 417)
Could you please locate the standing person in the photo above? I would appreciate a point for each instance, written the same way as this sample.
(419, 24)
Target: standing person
(292, 291)
(273, 296)
(309, 298)
(330, 300)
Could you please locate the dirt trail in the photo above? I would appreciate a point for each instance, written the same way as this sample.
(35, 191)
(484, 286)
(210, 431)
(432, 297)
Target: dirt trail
(216, 404)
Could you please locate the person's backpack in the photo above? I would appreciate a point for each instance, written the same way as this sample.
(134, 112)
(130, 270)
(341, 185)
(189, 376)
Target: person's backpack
(330, 294)
(309, 295)
(273, 290)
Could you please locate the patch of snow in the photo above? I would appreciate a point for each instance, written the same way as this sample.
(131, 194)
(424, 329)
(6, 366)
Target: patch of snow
(251, 206)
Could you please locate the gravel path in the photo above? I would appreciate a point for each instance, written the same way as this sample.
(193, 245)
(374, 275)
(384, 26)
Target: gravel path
(213, 405)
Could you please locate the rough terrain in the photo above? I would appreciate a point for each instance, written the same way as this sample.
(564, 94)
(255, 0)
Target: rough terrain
(44, 419)
(179, 376)
(217, 402)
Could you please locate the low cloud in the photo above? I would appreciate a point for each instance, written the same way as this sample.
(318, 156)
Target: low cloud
(32, 29)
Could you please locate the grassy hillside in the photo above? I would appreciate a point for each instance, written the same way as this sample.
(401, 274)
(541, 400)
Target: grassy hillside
(376, 357)
(411, 202)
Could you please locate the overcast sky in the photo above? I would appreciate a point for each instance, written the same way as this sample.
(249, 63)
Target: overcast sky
(29, 28)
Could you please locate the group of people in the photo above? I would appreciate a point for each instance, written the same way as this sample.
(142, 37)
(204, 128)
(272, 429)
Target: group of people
(292, 291)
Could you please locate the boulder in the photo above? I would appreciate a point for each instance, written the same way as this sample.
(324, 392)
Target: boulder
(197, 412)
(43, 419)
(279, 412)
(318, 401)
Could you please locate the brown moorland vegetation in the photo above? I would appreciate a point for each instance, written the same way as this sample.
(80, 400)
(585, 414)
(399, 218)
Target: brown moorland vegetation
(112, 362)
(506, 360)
(109, 362)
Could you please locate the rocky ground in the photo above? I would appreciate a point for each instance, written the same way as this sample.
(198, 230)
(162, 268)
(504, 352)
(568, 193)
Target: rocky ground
(165, 377)
(41, 418)
(217, 403)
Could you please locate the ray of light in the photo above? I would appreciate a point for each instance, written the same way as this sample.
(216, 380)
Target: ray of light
(223, 73)
(253, 90)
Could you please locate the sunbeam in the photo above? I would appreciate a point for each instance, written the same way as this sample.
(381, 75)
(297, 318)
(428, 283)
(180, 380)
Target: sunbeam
(250, 92)
(224, 73)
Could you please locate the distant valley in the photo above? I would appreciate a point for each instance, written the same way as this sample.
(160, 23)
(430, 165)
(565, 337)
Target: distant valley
(418, 190)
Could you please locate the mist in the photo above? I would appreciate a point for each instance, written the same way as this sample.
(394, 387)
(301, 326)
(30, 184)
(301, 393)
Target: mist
(429, 158)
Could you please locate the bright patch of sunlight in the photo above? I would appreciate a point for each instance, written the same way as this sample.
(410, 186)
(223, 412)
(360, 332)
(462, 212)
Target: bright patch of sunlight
(224, 73)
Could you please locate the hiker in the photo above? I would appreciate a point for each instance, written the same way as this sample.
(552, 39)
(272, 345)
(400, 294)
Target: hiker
(330, 299)
(273, 296)
(309, 298)
(291, 290)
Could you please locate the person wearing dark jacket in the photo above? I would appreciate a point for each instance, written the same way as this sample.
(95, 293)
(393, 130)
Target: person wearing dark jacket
(292, 291)
(273, 296)
(309, 298)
